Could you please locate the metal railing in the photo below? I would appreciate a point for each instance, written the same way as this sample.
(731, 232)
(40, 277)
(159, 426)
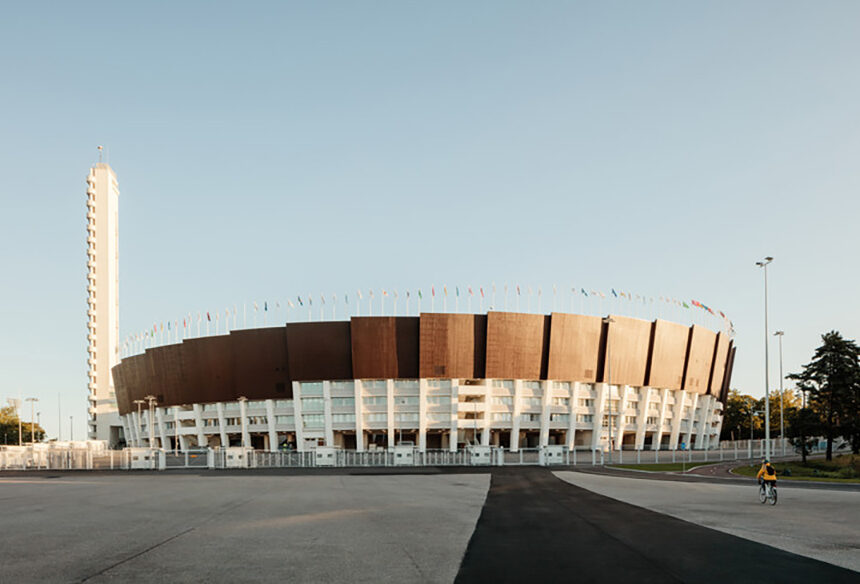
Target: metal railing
(41, 457)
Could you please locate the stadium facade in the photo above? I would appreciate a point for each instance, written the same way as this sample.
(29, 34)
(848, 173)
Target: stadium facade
(438, 380)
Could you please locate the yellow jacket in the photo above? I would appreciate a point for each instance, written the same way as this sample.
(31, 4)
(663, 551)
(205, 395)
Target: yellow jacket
(763, 473)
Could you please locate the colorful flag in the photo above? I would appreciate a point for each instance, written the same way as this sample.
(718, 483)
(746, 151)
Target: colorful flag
(482, 292)
(685, 305)
(256, 307)
(419, 293)
(299, 298)
(359, 294)
(470, 291)
(290, 304)
(346, 298)
(445, 290)
(518, 289)
(614, 293)
(208, 318)
(322, 297)
(457, 290)
(433, 290)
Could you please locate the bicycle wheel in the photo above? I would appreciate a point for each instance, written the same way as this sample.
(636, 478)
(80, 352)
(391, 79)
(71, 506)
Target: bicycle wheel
(773, 495)
(762, 495)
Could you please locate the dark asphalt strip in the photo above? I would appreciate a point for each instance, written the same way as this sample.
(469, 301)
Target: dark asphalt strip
(536, 527)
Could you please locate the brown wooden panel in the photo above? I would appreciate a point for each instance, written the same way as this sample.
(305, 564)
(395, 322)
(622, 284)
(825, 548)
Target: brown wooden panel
(319, 350)
(260, 368)
(207, 370)
(627, 351)
(452, 345)
(574, 347)
(166, 374)
(727, 378)
(668, 353)
(384, 347)
(517, 345)
(699, 355)
(718, 366)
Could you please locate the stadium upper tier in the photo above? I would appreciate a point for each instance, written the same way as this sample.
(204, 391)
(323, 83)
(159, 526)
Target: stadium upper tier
(263, 363)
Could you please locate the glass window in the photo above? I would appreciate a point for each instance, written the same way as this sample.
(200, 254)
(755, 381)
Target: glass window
(559, 418)
(503, 400)
(341, 418)
(377, 417)
(405, 417)
(406, 400)
(406, 384)
(313, 420)
(284, 420)
(312, 404)
(438, 400)
(501, 416)
(311, 388)
(343, 401)
(375, 400)
(560, 401)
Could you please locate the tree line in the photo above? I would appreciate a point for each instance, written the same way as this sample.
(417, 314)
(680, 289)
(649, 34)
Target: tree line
(827, 402)
(9, 428)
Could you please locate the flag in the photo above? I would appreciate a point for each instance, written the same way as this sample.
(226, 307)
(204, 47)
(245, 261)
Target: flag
(370, 293)
(346, 298)
(685, 305)
(457, 290)
(265, 306)
(518, 289)
(310, 300)
(470, 291)
(395, 293)
(614, 293)
(256, 307)
(407, 294)
(584, 293)
(359, 294)
(322, 298)
(290, 304)
(482, 292)
(384, 293)
(299, 298)
(208, 318)
(445, 290)
(168, 326)
(419, 293)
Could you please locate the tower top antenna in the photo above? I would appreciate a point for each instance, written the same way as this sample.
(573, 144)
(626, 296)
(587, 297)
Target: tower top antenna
(101, 151)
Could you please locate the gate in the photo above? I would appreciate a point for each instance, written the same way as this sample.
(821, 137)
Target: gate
(198, 458)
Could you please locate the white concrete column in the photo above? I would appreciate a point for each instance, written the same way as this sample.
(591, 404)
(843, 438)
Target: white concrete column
(389, 392)
(202, 442)
(297, 416)
(222, 425)
(177, 435)
(545, 401)
(455, 409)
(270, 418)
(719, 427)
(571, 412)
(642, 416)
(359, 416)
(488, 414)
(601, 391)
(422, 415)
(658, 436)
(621, 417)
(329, 432)
(518, 408)
(677, 416)
(243, 421)
(705, 415)
(688, 435)
(159, 423)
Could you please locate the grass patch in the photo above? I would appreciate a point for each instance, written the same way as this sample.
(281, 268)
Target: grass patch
(844, 468)
(664, 467)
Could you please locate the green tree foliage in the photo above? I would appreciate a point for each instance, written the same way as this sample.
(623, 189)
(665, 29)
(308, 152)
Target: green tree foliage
(9, 428)
(804, 425)
(832, 382)
(736, 416)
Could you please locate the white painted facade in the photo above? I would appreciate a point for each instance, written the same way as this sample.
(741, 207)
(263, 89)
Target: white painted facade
(447, 414)
(103, 421)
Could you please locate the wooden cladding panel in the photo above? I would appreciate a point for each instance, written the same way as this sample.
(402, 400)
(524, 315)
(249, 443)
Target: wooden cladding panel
(699, 356)
(667, 355)
(319, 350)
(165, 372)
(384, 347)
(727, 378)
(574, 347)
(517, 345)
(718, 367)
(627, 351)
(452, 345)
(207, 370)
(260, 368)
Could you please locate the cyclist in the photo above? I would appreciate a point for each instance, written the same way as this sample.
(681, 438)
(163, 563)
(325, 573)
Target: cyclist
(766, 474)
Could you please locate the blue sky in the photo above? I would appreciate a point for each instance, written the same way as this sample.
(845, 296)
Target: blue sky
(268, 150)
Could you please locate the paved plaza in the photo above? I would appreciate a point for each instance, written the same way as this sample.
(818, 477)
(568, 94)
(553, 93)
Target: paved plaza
(820, 523)
(430, 525)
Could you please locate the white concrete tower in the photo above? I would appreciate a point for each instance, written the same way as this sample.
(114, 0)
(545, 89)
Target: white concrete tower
(103, 422)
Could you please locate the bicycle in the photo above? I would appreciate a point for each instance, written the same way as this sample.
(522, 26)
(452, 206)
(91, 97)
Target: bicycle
(767, 492)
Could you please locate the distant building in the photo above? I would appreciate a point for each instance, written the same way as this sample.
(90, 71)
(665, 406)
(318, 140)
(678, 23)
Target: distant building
(103, 422)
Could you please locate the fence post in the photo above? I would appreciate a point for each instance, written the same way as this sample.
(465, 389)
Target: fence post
(638, 457)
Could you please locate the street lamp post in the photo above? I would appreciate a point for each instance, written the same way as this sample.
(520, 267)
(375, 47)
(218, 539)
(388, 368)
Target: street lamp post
(607, 320)
(151, 400)
(781, 392)
(763, 264)
(32, 401)
(139, 403)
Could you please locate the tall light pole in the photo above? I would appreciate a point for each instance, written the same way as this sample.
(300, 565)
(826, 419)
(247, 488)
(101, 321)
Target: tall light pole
(763, 265)
(139, 403)
(32, 401)
(607, 320)
(71, 428)
(151, 399)
(781, 392)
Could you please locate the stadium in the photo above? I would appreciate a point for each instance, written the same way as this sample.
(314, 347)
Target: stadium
(437, 380)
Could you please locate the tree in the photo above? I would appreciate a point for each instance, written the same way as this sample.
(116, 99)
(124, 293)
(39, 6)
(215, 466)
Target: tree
(736, 416)
(789, 400)
(832, 380)
(804, 426)
(9, 428)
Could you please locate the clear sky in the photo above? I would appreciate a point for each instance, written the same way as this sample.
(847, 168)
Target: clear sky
(269, 150)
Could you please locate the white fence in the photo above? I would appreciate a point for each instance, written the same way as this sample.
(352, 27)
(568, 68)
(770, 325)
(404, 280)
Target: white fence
(88, 457)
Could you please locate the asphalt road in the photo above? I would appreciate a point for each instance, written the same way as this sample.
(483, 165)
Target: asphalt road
(534, 525)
